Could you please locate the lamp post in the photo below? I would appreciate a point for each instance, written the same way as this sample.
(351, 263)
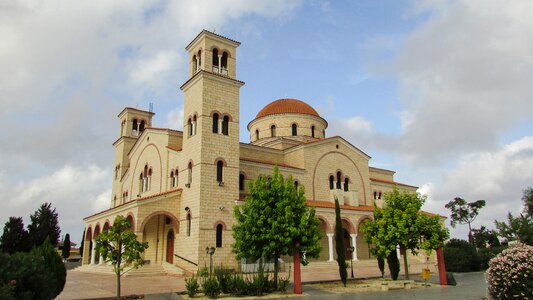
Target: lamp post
(210, 251)
(351, 249)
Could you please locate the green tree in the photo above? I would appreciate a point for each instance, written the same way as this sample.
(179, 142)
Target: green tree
(65, 250)
(274, 221)
(339, 243)
(15, 237)
(53, 263)
(484, 237)
(82, 242)
(44, 225)
(120, 247)
(400, 222)
(521, 227)
(464, 213)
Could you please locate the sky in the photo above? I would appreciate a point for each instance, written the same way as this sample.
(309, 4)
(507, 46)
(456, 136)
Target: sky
(439, 91)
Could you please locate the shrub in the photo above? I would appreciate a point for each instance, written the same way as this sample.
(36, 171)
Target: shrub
(223, 275)
(381, 265)
(237, 286)
(283, 284)
(461, 256)
(394, 265)
(27, 275)
(53, 262)
(192, 286)
(211, 287)
(510, 274)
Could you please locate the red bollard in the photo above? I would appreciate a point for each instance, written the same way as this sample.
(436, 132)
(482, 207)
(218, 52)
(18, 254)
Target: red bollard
(297, 273)
(442, 268)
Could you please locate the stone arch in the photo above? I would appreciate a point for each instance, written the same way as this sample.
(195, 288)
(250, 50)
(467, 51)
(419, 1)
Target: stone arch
(328, 226)
(88, 234)
(130, 217)
(351, 160)
(219, 222)
(160, 165)
(175, 221)
(97, 230)
(349, 225)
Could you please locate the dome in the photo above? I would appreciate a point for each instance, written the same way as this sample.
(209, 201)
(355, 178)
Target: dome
(284, 106)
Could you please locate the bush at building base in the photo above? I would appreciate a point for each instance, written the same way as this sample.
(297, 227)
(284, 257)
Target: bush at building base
(510, 274)
(461, 256)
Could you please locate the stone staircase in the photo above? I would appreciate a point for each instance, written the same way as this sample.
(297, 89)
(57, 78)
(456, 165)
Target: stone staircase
(143, 271)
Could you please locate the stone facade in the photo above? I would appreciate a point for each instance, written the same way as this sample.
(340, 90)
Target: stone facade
(179, 188)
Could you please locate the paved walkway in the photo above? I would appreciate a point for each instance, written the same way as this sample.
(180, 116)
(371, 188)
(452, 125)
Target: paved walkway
(82, 285)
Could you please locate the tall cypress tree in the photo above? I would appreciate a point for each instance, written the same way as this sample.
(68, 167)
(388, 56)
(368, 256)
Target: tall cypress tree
(15, 237)
(65, 250)
(339, 240)
(44, 225)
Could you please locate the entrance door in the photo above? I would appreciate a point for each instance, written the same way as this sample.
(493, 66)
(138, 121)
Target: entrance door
(170, 247)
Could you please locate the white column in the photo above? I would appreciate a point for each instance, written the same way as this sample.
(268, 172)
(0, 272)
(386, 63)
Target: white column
(93, 256)
(197, 63)
(220, 120)
(330, 245)
(220, 63)
(398, 253)
(354, 245)
(101, 260)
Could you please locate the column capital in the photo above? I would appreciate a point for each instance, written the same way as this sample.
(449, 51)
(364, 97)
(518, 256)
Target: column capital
(329, 235)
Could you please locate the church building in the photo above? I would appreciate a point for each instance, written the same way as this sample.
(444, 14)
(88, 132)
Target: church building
(179, 188)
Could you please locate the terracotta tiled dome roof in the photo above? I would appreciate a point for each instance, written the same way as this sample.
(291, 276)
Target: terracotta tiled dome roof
(283, 106)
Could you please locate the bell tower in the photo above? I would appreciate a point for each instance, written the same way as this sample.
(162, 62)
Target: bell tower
(211, 145)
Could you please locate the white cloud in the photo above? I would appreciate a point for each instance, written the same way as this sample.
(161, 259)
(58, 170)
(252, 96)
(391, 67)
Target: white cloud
(497, 177)
(464, 77)
(175, 119)
(72, 190)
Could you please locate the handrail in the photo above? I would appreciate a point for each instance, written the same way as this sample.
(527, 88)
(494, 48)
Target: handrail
(186, 260)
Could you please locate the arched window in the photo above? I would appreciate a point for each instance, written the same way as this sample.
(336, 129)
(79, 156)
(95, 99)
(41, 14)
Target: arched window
(115, 200)
(176, 177)
(224, 61)
(194, 124)
(194, 63)
(215, 123)
(257, 134)
(225, 125)
(199, 59)
(294, 130)
(379, 195)
(134, 129)
(220, 167)
(141, 183)
(331, 182)
(215, 59)
(172, 182)
(339, 178)
(189, 224)
(296, 184)
(189, 126)
(241, 182)
(141, 127)
(273, 130)
(346, 182)
(189, 177)
(219, 236)
(375, 195)
(313, 131)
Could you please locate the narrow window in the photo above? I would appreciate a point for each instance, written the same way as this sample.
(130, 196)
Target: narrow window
(331, 184)
(172, 179)
(219, 236)
(189, 126)
(375, 195)
(294, 130)
(141, 185)
(215, 60)
(220, 166)
(273, 130)
(141, 127)
(115, 200)
(190, 173)
(194, 125)
(176, 178)
(134, 128)
(339, 175)
(194, 63)
(296, 184)
(379, 195)
(188, 224)
(225, 60)
(150, 179)
(215, 123)
(199, 58)
(312, 131)
(241, 182)
(225, 125)
(346, 182)
(256, 134)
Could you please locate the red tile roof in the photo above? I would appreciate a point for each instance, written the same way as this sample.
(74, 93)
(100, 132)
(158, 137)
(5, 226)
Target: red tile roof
(283, 106)
(392, 182)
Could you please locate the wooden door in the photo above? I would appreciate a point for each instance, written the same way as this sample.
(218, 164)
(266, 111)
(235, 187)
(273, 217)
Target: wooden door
(170, 247)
